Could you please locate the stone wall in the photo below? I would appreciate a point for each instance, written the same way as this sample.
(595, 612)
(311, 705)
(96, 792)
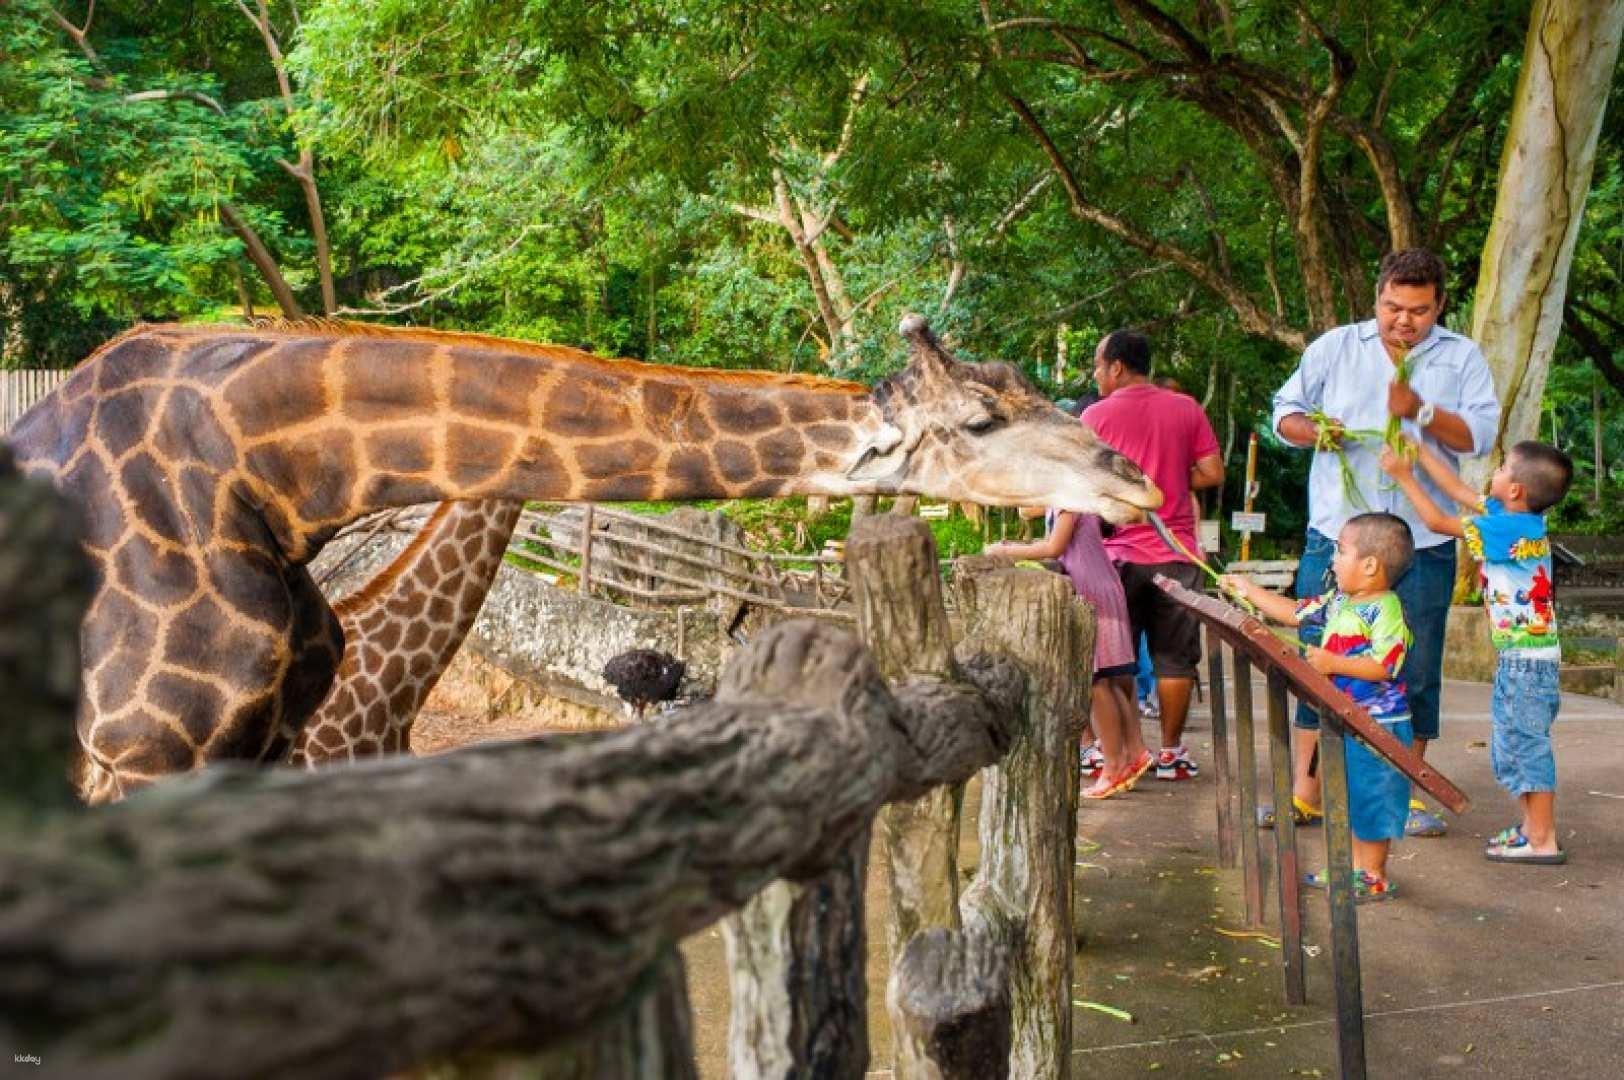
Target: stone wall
(556, 641)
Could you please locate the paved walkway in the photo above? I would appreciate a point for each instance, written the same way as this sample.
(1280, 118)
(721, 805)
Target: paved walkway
(1475, 969)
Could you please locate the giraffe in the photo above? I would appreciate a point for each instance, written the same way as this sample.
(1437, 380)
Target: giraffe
(213, 462)
(401, 630)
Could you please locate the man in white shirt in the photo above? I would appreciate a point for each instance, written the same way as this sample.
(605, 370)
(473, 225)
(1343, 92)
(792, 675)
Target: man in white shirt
(1347, 377)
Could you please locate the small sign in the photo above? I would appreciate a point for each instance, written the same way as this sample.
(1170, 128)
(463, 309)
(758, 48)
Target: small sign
(1207, 534)
(1244, 522)
(935, 511)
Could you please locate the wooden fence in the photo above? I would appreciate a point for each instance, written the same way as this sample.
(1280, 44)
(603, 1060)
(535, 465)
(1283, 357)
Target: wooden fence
(528, 897)
(20, 390)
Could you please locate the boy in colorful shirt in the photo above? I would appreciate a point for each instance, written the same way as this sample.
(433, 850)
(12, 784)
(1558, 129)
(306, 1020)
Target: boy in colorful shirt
(1507, 537)
(1362, 649)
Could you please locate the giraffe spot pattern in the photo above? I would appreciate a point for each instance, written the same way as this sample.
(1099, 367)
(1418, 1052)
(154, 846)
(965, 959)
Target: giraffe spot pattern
(160, 577)
(586, 407)
(404, 449)
(123, 419)
(476, 455)
(287, 390)
(604, 461)
(191, 432)
(389, 384)
(494, 387)
(735, 460)
(739, 413)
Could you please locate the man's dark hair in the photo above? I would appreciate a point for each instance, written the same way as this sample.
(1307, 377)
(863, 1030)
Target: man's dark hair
(1131, 348)
(1544, 472)
(1413, 266)
(1387, 537)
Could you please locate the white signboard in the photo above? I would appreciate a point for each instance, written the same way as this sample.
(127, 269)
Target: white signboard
(1244, 522)
(1207, 534)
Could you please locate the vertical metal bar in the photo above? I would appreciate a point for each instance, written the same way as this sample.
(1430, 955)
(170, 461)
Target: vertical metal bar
(1246, 758)
(1285, 844)
(1220, 749)
(1350, 1018)
(586, 551)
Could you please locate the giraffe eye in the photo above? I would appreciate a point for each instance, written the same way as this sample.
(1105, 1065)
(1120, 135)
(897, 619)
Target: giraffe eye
(981, 424)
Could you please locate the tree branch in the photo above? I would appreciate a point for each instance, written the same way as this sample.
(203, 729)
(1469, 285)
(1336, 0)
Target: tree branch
(195, 96)
(1252, 317)
(1590, 342)
(263, 260)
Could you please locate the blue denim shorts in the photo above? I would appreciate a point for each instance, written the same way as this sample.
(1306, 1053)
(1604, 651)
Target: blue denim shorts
(1378, 794)
(1527, 694)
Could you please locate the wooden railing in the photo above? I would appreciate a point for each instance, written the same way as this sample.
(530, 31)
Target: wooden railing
(528, 897)
(1251, 645)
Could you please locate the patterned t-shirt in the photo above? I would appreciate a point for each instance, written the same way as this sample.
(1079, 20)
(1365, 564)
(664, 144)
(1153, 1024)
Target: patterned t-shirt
(1372, 627)
(1515, 557)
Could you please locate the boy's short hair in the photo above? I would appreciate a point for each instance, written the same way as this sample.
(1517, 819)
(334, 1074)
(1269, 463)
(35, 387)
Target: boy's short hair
(1129, 346)
(1544, 472)
(1385, 536)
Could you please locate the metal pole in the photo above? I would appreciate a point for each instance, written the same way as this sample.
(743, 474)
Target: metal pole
(1251, 490)
(1350, 1017)
(1246, 757)
(1220, 749)
(1285, 844)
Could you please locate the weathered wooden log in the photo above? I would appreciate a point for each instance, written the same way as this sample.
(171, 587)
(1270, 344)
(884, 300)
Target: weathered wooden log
(357, 920)
(949, 997)
(797, 953)
(650, 1037)
(1028, 821)
(45, 585)
(796, 960)
(891, 564)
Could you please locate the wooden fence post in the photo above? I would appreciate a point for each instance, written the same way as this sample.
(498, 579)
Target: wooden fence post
(1028, 822)
(45, 586)
(950, 991)
(797, 954)
(902, 618)
(648, 1038)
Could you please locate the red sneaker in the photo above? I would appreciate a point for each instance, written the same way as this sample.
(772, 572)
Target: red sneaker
(1175, 764)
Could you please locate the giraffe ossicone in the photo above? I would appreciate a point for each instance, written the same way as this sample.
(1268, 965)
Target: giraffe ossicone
(213, 462)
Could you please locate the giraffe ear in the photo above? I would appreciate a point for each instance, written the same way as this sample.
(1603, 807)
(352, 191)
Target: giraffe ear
(882, 456)
(924, 350)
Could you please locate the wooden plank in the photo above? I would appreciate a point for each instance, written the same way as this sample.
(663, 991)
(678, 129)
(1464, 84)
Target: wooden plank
(1350, 1015)
(1246, 760)
(1269, 652)
(1220, 749)
(1285, 844)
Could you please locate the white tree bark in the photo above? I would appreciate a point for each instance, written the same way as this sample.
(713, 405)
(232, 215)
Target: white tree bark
(1544, 177)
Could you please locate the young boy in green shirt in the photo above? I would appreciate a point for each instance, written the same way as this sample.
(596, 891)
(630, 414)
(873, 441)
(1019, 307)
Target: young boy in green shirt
(1362, 650)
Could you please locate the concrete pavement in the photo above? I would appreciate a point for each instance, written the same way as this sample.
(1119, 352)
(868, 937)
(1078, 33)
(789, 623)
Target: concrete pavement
(1474, 969)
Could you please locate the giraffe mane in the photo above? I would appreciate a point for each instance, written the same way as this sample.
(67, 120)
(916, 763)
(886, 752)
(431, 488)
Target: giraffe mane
(326, 326)
(385, 579)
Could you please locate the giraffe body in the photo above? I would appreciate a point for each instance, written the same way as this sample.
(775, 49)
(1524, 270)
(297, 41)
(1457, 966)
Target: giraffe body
(212, 463)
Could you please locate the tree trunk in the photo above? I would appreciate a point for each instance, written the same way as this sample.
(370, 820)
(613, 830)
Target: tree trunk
(1544, 176)
(1028, 824)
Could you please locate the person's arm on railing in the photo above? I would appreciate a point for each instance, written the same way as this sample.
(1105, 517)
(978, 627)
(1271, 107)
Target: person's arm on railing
(1398, 467)
(1281, 609)
(1049, 547)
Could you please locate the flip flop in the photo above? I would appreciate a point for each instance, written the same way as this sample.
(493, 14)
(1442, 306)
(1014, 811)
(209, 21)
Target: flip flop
(1521, 851)
(1510, 835)
(1301, 814)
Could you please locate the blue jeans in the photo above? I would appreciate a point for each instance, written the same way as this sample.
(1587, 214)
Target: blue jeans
(1424, 592)
(1527, 694)
(1144, 681)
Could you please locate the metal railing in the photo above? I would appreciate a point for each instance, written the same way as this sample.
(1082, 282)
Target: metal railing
(1285, 672)
(22, 390)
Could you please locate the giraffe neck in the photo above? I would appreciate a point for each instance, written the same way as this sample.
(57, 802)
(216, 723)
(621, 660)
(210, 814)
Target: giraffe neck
(336, 426)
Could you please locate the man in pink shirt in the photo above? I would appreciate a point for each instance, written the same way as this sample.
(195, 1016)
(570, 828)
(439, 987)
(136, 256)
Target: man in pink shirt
(1167, 435)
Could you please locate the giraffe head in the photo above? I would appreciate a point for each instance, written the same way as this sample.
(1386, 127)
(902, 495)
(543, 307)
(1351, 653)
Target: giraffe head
(982, 433)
